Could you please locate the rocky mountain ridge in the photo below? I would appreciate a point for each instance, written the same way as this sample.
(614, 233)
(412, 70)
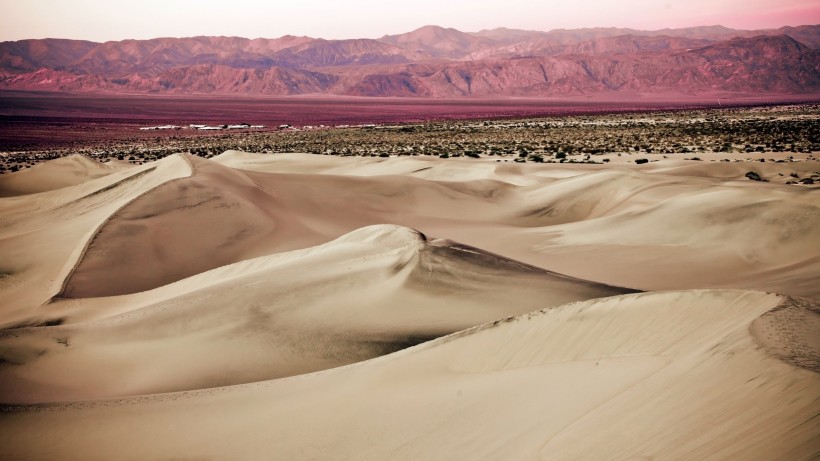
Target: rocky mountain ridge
(429, 62)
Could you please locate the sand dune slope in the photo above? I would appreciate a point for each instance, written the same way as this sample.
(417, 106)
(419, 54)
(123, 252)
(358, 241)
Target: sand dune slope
(371, 292)
(769, 171)
(641, 229)
(424, 167)
(214, 217)
(43, 235)
(221, 215)
(591, 195)
(672, 233)
(55, 174)
(264, 307)
(653, 227)
(674, 375)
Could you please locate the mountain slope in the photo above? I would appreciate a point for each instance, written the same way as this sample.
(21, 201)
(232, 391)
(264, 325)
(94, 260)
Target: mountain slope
(438, 42)
(429, 62)
(762, 64)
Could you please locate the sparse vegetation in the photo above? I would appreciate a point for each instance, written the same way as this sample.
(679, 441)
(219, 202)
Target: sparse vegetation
(572, 138)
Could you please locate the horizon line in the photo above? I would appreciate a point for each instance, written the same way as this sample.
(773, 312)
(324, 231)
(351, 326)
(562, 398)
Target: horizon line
(414, 30)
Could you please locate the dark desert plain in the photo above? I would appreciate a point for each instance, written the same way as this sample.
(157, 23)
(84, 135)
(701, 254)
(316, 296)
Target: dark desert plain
(36, 120)
(591, 244)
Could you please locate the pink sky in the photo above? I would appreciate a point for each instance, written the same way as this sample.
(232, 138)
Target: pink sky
(114, 20)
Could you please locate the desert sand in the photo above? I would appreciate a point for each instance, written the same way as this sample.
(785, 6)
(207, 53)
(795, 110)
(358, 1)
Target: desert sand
(296, 306)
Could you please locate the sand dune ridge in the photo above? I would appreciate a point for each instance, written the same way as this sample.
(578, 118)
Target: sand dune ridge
(312, 307)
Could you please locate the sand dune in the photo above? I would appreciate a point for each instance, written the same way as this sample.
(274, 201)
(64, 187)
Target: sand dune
(43, 235)
(773, 172)
(431, 168)
(657, 232)
(296, 306)
(653, 376)
(373, 291)
(56, 174)
(221, 215)
(224, 215)
(660, 227)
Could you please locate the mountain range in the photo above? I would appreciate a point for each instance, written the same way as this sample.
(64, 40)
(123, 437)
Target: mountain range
(431, 61)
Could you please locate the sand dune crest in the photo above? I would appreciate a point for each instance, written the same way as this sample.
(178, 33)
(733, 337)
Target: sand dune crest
(55, 174)
(221, 215)
(370, 292)
(47, 233)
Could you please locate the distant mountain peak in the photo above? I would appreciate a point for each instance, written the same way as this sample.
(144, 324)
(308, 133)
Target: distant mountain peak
(430, 61)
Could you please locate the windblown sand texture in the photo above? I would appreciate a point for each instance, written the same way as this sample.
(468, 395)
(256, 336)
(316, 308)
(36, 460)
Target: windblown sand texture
(295, 306)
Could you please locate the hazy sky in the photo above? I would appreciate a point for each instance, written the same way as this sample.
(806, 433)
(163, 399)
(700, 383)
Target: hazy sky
(102, 20)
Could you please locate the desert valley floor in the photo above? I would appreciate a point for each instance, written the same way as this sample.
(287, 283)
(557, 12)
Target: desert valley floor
(297, 306)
